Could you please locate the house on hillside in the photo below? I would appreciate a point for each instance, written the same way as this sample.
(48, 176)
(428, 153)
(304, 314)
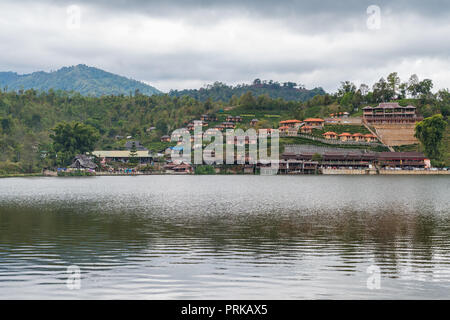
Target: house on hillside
(291, 123)
(330, 135)
(345, 136)
(83, 162)
(315, 123)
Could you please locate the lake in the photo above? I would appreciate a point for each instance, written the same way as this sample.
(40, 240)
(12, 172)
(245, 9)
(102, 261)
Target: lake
(225, 237)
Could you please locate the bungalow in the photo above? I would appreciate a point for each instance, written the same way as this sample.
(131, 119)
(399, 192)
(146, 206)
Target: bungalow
(83, 162)
(345, 136)
(290, 123)
(208, 117)
(357, 136)
(314, 122)
(234, 118)
(228, 125)
(330, 135)
(283, 130)
(306, 129)
(173, 167)
(370, 137)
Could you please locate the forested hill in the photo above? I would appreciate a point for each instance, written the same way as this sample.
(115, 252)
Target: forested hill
(220, 91)
(81, 78)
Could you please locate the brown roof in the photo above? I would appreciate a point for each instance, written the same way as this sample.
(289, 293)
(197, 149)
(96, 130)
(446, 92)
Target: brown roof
(290, 121)
(330, 133)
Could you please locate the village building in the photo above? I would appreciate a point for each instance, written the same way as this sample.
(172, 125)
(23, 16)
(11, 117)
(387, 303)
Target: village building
(290, 123)
(228, 125)
(390, 112)
(83, 162)
(234, 118)
(306, 129)
(357, 137)
(401, 160)
(122, 156)
(370, 138)
(345, 136)
(330, 135)
(316, 123)
(208, 117)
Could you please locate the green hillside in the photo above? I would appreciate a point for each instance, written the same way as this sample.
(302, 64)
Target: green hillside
(221, 92)
(81, 78)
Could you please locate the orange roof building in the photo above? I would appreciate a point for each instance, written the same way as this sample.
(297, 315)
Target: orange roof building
(330, 135)
(314, 122)
(291, 123)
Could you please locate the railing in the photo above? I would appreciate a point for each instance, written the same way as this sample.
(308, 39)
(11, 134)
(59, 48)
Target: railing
(338, 142)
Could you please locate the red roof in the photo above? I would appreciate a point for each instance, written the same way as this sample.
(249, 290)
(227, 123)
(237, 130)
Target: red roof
(290, 121)
(314, 120)
(345, 134)
(357, 134)
(284, 127)
(369, 135)
(330, 133)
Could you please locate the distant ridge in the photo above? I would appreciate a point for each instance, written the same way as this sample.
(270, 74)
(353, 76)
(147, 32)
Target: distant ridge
(81, 78)
(221, 92)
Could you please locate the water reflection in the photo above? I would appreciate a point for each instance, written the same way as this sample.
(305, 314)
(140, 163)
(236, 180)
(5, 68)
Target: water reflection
(221, 237)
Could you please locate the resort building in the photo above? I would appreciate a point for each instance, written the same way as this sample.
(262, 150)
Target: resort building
(370, 138)
(228, 125)
(290, 123)
(122, 156)
(83, 162)
(330, 135)
(306, 129)
(345, 136)
(390, 112)
(401, 160)
(208, 117)
(316, 123)
(234, 118)
(357, 137)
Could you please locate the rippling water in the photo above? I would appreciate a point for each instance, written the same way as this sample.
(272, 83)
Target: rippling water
(225, 237)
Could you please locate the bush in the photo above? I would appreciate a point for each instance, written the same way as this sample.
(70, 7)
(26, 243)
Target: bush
(206, 169)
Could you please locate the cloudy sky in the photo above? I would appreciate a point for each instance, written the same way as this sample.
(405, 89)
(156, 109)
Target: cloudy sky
(190, 43)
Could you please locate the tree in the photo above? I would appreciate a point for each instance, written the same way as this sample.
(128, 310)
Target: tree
(133, 154)
(430, 132)
(413, 85)
(70, 139)
(393, 80)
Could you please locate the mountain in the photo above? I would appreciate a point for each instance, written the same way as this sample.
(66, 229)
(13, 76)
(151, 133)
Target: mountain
(81, 78)
(219, 91)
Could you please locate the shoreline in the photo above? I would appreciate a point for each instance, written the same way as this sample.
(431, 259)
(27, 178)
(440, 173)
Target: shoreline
(342, 172)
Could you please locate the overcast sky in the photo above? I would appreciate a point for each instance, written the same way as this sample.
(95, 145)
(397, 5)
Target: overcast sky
(190, 43)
